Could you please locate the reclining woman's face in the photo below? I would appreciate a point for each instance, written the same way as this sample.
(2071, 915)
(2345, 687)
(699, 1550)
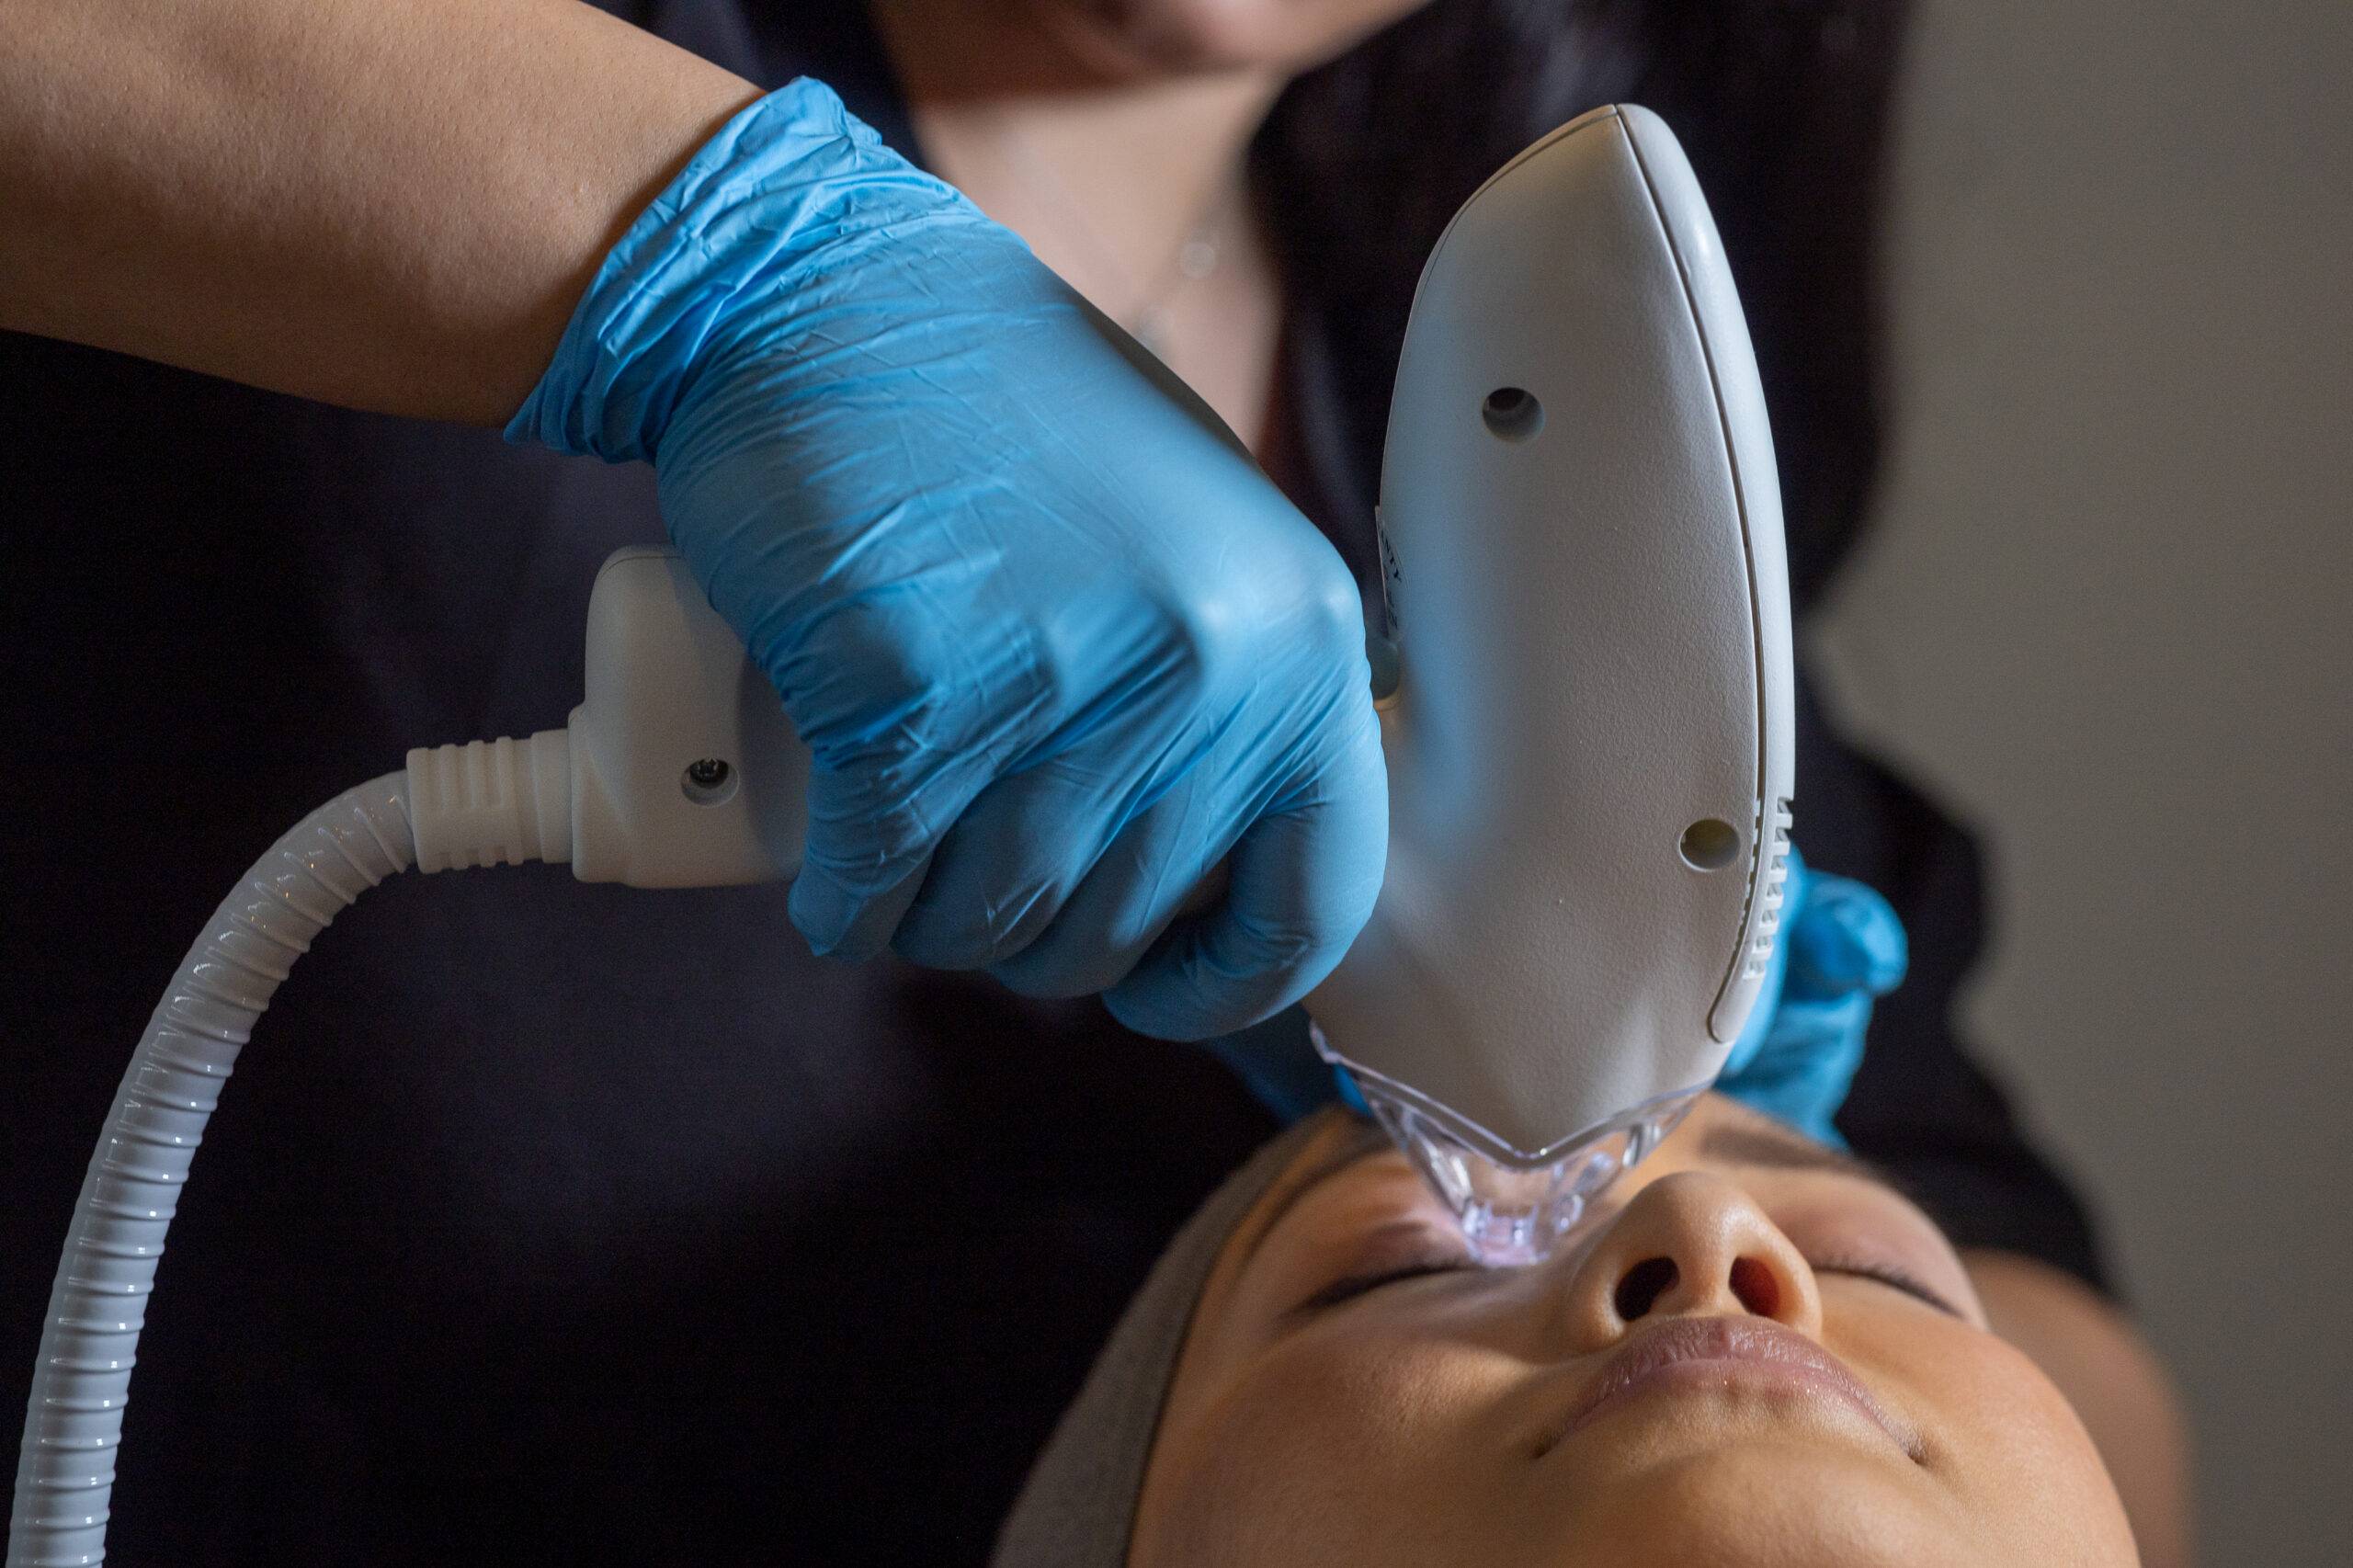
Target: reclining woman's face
(1753, 1353)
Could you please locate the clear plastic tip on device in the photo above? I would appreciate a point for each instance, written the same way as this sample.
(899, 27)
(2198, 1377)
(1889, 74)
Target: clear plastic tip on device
(1513, 1208)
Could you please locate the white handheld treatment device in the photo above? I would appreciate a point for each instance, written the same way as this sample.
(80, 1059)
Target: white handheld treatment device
(1591, 746)
(1589, 755)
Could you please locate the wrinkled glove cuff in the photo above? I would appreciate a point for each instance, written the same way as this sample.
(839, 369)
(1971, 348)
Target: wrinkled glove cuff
(754, 209)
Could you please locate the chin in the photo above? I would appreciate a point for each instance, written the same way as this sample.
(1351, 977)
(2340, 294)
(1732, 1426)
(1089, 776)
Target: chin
(1760, 1507)
(1169, 37)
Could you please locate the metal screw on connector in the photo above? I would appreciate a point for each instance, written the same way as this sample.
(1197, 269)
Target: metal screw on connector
(708, 781)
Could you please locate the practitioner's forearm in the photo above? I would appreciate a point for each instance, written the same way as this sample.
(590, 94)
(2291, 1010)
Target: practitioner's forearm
(391, 205)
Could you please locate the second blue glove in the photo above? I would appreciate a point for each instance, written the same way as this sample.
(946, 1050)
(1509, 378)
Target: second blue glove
(1842, 948)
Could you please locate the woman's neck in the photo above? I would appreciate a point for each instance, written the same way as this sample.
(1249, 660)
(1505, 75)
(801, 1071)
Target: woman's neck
(1129, 185)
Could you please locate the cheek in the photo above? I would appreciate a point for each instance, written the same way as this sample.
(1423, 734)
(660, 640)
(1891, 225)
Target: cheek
(1333, 1449)
(2002, 1439)
(1766, 1507)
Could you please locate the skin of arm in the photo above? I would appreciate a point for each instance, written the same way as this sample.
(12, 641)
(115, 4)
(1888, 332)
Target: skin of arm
(2114, 1380)
(392, 207)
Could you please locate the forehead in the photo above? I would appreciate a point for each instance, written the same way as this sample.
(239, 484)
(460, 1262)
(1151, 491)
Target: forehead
(1723, 1132)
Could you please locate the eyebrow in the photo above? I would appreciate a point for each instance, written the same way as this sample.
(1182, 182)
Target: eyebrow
(1365, 1140)
(1774, 1150)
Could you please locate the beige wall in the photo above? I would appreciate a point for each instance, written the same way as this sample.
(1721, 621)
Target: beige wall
(2106, 617)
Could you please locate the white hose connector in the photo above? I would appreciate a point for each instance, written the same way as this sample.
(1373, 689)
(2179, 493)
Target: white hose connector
(679, 770)
(492, 803)
(98, 1306)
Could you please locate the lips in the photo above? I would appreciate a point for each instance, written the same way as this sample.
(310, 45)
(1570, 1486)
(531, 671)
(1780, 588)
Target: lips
(1709, 1352)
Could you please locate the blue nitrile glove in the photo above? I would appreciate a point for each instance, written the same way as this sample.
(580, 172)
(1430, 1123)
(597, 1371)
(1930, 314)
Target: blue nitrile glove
(1841, 948)
(1057, 644)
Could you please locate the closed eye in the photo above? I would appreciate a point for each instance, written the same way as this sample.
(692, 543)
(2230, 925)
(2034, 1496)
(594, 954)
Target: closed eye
(1356, 1285)
(1894, 1279)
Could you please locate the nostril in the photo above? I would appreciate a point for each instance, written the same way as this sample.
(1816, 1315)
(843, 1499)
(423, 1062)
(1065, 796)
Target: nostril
(1643, 1285)
(1756, 1287)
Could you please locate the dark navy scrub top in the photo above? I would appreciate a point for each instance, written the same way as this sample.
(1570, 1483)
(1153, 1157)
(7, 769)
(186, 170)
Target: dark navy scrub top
(546, 1223)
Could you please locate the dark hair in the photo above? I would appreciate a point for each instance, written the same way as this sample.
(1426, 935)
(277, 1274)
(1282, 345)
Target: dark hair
(1782, 106)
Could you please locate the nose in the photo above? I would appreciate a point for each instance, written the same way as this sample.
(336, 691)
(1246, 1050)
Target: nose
(1690, 1244)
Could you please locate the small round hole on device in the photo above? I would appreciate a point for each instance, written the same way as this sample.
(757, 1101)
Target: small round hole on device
(1513, 412)
(1710, 844)
(708, 781)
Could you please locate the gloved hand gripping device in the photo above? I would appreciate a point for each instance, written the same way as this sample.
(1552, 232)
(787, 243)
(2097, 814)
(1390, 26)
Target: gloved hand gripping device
(1588, 739)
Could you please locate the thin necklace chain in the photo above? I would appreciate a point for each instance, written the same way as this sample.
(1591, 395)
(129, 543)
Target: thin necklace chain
(1195, 257)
